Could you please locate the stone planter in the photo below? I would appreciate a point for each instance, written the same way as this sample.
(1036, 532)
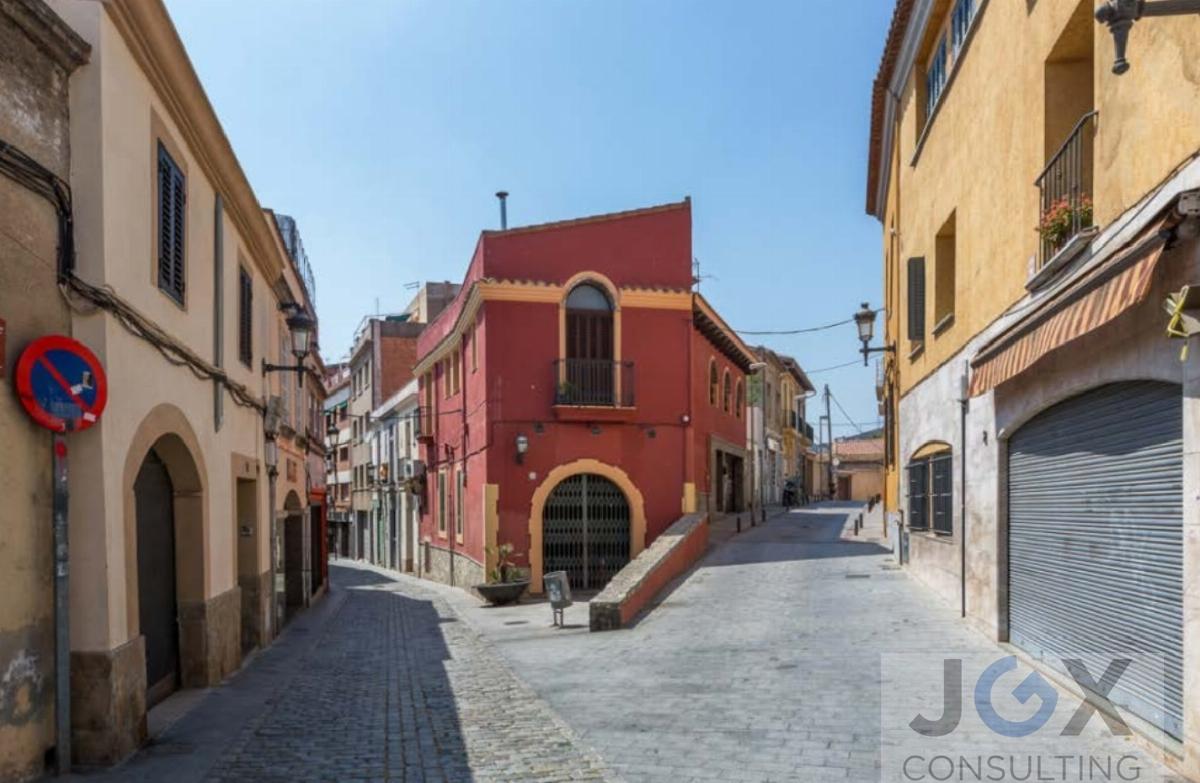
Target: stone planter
(502, 593)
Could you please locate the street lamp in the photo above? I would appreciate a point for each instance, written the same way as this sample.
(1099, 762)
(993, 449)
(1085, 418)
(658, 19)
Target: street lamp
(300, 327)
(864, 319)
(1119, 16)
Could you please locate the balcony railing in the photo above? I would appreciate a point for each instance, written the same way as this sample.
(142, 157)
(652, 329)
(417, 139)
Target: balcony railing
(593, 382)
(1065, 186)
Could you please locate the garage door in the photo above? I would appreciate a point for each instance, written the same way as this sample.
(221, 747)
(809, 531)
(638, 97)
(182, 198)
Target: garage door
(1096, 537)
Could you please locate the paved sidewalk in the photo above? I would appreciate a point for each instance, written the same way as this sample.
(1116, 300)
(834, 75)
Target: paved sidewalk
(763, 664)
(381, 682)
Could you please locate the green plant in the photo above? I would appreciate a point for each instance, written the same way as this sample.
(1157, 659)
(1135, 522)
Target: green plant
(1061, 220)
(506, 569)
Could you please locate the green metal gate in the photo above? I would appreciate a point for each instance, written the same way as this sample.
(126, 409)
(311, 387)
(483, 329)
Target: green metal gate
(585, 530)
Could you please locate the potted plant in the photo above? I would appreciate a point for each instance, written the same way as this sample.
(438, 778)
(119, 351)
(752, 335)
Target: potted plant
(507, 581)
(1062, 220)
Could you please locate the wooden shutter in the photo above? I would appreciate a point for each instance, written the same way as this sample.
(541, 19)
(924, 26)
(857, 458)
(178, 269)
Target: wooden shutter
(172, 200)
(918, 495)
(245, 316)
(942, 479)
(916, 299)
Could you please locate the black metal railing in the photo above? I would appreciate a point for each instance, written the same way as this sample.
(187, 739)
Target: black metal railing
(808, 431)
(1065, 187)
(597, 382)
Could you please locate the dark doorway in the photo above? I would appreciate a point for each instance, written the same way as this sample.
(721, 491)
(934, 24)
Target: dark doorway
(158, 608)
(586, 530)
(317, 538)
(293, 563)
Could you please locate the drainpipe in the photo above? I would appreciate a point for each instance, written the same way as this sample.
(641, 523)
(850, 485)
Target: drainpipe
(964, 402)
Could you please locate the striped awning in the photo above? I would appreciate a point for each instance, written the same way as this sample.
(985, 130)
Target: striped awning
(1097, 298)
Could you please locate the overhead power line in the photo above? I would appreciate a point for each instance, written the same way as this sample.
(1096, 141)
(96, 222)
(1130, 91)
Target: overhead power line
(797, 331)
(845, 415)
(834, 367)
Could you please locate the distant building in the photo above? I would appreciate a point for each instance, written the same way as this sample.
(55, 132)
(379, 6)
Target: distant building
(576, 399)
(858, 468)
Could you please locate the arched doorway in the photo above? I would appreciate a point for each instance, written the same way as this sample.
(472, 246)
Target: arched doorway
(158, 603)
(293, 555)
(586, 530)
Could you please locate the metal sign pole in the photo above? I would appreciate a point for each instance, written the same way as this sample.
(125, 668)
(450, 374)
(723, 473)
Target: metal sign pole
(62, 626)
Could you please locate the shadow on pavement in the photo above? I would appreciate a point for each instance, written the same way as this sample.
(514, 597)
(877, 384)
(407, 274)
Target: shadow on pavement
(356, 688)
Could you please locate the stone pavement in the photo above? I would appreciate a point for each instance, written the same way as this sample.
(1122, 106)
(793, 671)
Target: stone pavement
(763, 664)
(377, 683)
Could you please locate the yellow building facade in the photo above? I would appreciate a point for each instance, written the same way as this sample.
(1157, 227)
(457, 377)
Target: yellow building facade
(1036, 212)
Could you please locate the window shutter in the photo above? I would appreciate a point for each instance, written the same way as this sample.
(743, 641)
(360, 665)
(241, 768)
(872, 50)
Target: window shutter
(916, 299)
(918, 495)
(943, 490)
(245, 317)
(172, 198)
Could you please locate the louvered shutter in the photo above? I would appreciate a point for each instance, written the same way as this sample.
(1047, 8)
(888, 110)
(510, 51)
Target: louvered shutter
(943, 494)
(172, 198)
(916, 299)
(918, 495)
(245, 316)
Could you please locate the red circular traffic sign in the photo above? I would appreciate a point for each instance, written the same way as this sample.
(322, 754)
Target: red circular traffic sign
(61, 384)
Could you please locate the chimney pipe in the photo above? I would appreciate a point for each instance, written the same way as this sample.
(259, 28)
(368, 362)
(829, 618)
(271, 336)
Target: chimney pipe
(503, 196)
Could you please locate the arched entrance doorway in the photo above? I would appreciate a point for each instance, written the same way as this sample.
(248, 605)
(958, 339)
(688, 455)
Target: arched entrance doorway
(586, 530)
(158, 604)
(293, 555)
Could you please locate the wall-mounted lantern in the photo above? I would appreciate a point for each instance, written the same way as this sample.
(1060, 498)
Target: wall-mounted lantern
(271, 456)
(1119, 16)
(864, 319)
(522, 447)
(300, 327)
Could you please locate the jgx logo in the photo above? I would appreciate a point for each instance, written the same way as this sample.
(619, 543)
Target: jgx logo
(1033, 686)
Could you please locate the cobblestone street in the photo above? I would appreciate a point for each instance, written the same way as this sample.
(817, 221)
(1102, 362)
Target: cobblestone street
(375, 684)
(763, 664)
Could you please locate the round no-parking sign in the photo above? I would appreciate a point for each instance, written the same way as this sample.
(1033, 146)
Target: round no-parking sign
(61, 384)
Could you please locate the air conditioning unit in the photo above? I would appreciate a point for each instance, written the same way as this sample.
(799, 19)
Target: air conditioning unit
(414, 468)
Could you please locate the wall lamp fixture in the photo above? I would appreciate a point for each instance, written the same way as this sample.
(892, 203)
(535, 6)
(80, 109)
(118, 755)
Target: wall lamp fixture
(1119, 16)
(522, 447)
(864, 319)
(301, 328)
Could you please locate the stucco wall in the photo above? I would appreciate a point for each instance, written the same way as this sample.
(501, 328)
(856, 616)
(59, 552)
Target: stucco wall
(1149, 122)
(34, 119)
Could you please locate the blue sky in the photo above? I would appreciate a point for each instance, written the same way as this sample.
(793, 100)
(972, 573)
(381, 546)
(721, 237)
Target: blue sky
(384, 127)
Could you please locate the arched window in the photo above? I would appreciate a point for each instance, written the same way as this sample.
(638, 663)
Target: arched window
(727, 403)
(739, 399)
(590, 372)
(713, 382)
(930, 489)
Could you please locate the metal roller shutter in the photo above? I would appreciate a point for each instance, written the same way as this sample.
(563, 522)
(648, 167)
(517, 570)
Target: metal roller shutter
(1095, 536)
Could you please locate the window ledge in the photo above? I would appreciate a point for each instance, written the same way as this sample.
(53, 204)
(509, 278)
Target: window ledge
(917, 350)
(944, 324)
(932, 535)
(1065, 255)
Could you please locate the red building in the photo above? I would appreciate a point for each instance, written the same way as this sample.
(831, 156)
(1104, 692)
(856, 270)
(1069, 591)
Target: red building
(576, 399)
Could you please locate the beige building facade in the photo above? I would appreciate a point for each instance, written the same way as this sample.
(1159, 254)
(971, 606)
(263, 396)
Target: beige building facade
(1037, 211)
(175, 283)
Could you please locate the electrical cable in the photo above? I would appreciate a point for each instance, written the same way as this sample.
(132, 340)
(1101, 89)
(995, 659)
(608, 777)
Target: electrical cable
(798, 331)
